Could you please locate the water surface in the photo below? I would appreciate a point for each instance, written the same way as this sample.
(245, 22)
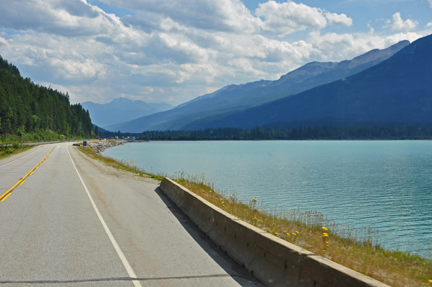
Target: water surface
(386, 185)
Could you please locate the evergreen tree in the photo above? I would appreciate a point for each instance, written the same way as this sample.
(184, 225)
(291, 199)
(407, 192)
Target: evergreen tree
(29, 108)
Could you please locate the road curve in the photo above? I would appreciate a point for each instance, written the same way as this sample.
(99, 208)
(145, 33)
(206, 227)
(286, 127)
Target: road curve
(75, 222)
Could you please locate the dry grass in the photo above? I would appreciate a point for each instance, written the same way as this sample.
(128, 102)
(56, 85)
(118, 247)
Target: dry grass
(357, 251)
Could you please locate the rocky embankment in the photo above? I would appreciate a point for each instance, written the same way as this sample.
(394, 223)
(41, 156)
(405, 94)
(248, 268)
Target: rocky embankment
(100, 146)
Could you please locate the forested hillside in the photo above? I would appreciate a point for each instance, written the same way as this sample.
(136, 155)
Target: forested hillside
(27, 108)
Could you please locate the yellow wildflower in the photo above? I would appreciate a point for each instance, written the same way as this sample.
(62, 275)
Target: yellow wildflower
(325, 228)
(255, 218)
(325, 234)
(254, 199)
(275, 233)
(222, 202)
(287, 233)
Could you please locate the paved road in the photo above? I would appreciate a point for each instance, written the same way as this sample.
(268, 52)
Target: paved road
(76, 222)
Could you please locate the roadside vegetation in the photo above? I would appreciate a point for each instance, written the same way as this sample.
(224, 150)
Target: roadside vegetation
(120, 165)
(7, 150)
(358, 250)
(38, 136)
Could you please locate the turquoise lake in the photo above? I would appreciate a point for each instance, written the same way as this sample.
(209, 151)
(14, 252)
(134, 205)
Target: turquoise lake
(385, 185)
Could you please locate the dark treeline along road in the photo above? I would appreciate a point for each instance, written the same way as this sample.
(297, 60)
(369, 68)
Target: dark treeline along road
(37, 111)
(300, 133)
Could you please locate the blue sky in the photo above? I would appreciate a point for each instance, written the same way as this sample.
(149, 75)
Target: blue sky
(174, 51)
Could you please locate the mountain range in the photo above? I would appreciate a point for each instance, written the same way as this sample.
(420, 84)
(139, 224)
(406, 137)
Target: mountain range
(122, 109)
(234, 99)
(397, 91)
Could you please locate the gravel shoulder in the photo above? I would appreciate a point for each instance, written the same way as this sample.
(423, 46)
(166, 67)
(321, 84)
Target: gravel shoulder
(111, 171)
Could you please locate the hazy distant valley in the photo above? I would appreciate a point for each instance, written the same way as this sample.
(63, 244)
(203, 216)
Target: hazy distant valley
(122, 109)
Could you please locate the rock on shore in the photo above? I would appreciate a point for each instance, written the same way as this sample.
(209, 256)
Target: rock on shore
(100, 146)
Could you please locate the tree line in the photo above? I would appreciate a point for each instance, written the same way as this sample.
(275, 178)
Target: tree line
(27, 108)
(301, 133)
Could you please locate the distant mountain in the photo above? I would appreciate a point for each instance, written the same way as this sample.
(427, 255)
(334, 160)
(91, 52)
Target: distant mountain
(395, 91)
(197, 108)
(122, 109)
(234, 97)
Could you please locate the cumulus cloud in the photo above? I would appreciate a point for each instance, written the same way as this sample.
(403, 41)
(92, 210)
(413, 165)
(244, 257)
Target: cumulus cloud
(338, 47)
(73, 18)
(338, 19)
(397, 24)
(429, 24)
(3, 42)
(288, 17)
(168, 51)
(222, 15)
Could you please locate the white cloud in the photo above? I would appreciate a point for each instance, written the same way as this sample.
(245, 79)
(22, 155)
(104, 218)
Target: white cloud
(430, 3)
(371, 29)
(288, 17)
(429, 24)
(338, 19)
(3, 42)
(168, 51)
(72, 18)
(397, 24)
(337, 47)
(222, 15)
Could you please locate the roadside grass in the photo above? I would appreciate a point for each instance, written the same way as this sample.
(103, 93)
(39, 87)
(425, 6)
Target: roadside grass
(120, 165)
(309, 230)
(15, 148)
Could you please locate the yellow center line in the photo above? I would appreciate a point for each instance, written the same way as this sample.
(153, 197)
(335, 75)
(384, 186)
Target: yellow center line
(22, 180)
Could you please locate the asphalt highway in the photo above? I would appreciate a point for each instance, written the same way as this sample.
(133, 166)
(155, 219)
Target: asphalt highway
(67, 220)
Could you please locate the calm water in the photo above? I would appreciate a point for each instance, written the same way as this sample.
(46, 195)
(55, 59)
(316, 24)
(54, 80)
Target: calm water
(386, 185)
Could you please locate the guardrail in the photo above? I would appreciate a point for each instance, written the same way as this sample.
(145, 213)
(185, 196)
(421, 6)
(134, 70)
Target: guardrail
(273, 261)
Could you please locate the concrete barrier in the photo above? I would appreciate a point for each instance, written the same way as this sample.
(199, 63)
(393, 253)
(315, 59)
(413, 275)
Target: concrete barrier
(274, 261)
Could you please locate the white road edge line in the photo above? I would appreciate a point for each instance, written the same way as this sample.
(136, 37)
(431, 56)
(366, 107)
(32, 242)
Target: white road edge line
(19, 158)
(108, 232)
